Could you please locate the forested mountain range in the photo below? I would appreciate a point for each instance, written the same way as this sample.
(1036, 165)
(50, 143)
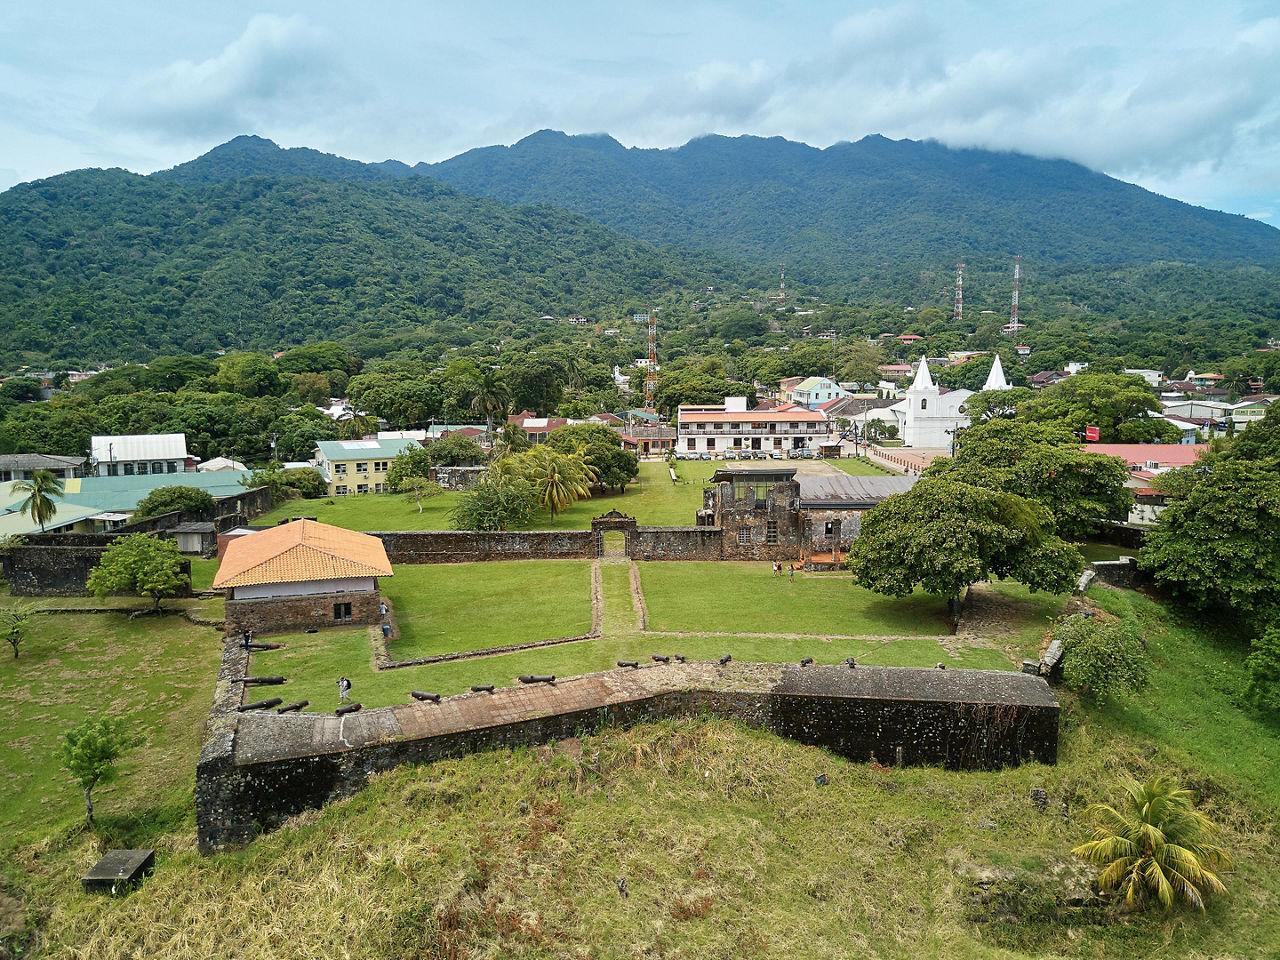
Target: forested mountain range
(252, 246)
(107, 265)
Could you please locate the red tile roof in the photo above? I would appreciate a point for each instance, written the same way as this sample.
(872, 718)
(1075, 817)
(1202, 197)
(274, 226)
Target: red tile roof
(298, 551)
(1165, 454)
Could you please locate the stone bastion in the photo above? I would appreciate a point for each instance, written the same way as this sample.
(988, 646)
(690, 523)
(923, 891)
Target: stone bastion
(258, 768)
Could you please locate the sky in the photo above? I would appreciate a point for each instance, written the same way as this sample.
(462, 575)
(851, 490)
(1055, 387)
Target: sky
(1182, 98)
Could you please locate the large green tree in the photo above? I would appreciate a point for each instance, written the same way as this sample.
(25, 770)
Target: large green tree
(943, 536)
(167, 499)
(1045, 463)
(495, 502)
(140, 563)
(1157, 847)
(1216, 546)
(1120, 406)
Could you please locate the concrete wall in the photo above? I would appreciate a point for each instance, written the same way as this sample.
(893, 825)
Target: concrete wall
(1118, 573)
(464, 546)
(291, 614)
(257, 769)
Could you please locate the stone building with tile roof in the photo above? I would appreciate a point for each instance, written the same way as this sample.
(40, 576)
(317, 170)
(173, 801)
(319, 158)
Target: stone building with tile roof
(301, 575)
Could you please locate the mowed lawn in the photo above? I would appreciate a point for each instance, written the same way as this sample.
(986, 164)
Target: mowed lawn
(652, 499)
(156, 673)
(747, 598)
(442, 608)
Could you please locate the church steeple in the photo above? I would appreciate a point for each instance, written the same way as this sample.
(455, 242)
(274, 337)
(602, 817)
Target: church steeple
(995, 379)
(923, 380)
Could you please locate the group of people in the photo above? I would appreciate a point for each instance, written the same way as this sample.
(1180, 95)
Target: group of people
(777, 569)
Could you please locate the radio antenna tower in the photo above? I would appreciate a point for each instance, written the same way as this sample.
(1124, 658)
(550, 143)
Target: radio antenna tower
(1017, 272)
(782, 284)
(959, 292)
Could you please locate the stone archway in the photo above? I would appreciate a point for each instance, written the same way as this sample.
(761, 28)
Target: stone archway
(606, 529)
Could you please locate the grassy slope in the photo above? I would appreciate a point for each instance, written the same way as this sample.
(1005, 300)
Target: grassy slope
(727, 845)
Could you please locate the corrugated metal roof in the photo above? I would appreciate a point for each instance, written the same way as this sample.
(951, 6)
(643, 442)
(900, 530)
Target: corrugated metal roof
(144, 446)
(344, 450)
(299, 551)
(843, 491)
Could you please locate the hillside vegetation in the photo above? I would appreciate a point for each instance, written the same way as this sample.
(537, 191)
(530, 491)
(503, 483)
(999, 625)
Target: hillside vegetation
(726, 843)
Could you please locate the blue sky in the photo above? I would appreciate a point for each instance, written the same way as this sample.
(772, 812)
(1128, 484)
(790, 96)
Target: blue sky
(1180, 97)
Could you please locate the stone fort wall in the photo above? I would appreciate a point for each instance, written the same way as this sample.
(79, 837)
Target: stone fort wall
(256, 769)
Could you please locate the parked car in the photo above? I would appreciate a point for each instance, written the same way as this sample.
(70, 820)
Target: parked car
(776, 454)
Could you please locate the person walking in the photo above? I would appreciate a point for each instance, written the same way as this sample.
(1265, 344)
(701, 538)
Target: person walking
(344, 690)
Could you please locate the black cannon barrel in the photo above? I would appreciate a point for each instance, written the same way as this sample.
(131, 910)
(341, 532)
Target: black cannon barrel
(807, 661)
(537, 678)
(482, 688)
(291, 707)
(628, 663)
(679, 657)
(423, 695)
(262, 681)
(851, 662)
(725, 659)
(261, 704)
(346, 708)
(659, 658)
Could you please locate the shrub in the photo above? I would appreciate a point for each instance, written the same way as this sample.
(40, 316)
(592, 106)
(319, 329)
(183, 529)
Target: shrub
(1101, 658)
(1263, 666)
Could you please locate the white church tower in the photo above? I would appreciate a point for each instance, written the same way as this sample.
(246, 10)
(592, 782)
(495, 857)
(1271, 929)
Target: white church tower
(995, 379)
(928, 416)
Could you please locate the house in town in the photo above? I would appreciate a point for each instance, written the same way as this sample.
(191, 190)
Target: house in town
(715, 428)
(301, 575)
(813, 391)
(147, 454)
(20, 466)
(358, 466)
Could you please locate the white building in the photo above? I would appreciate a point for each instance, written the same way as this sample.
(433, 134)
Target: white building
(930, 415)
(731, 426)
(139, 455)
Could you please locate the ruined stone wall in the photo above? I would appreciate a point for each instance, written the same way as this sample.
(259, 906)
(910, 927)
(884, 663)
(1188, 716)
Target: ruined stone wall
(676, 543)
(273, 767)
(1118, 573)
(292, 614)
(39, 570)
(466, 546)
(746, 522)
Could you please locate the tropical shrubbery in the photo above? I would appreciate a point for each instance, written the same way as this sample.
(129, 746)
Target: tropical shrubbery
(1101, 658)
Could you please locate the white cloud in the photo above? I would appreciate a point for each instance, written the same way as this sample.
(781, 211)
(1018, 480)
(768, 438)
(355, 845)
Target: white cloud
(279, 70)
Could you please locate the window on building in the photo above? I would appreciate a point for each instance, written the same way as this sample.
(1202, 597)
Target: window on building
(113, 469)
(339, 469)
(362, 488)
(142, 468)
(829, 529)
(771, 532)
(342, 611)
(173, 466)
(157, 467)
(340, 490)
(362, 468)
(744, 535)
(711, 443)
(379, 488)
(380, 466)
(691, 443)
(128, 470)
(924, 403)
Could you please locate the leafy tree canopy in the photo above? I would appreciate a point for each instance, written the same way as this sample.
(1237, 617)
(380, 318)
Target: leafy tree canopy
(495, 503)
(90, 751)
(942, 536)
(1117, 405)
(167, 499)
(455, 450)
(140, 563)
(1101, 658)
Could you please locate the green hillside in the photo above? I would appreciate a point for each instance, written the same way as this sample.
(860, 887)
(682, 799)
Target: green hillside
(853, 206)
(107, 265)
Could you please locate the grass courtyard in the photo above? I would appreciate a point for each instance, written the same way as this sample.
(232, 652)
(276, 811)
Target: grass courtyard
(652, 499)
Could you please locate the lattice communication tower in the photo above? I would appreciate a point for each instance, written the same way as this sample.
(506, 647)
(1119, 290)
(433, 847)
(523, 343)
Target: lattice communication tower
(959, 292)
(651, 370)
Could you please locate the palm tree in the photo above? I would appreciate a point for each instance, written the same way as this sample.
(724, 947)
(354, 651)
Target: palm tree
(1156, 847)
(40, 489)
(511, 439)
(559, 479)
(490, 397)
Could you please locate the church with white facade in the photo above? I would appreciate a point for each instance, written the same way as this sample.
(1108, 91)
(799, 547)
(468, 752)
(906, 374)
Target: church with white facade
(929, 415)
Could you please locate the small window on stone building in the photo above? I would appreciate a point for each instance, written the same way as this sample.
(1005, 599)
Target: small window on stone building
(924, 403)
(771, 532)
(342, 611)
(829, 530)
(744, 535)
